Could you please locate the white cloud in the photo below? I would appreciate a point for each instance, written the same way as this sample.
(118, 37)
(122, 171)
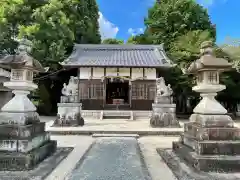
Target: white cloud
(208, 3)
(136, 31)
(106, 28)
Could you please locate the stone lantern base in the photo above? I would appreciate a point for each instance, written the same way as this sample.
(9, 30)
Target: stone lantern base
(163, 115)
(210, 143)
(69, 114)
(25, 144)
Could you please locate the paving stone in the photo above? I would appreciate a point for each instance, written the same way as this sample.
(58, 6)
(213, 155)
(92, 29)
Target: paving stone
(112, 159)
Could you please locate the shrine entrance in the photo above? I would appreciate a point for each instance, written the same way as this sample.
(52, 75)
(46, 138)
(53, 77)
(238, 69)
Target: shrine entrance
(117, 93)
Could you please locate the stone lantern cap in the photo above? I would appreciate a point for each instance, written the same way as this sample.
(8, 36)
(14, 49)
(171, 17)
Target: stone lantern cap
(22, 59)
(208, 60)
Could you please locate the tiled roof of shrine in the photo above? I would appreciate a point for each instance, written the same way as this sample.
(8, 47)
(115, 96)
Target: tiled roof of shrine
(111, 55)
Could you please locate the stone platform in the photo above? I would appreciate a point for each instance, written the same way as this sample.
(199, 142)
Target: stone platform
(25, 144)
(42, 170)
(113, 126)
(183, 171)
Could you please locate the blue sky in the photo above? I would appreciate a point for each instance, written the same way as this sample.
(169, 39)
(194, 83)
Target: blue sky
(121, 18)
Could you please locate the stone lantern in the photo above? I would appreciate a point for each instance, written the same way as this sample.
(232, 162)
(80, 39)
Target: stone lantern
(207, 70)
(23, 136)
(210, 141)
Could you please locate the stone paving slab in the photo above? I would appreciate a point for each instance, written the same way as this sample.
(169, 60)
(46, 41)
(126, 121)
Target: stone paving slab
(112, 159)
(155, 164)
(81, 145)
(41, 171)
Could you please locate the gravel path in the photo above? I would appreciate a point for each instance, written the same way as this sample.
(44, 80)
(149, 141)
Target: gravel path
(112, 159)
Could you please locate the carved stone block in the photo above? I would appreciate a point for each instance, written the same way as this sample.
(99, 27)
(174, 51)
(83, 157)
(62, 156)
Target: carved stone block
(17, 161)
(212, 120)
(218, 148)
(19, 118)
(24, 145)
(21, 132)
(163, 115)
(212, 133)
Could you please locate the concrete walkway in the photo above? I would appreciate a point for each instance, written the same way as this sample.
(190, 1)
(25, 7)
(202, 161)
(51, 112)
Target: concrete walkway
(156, 167)
(112, 159)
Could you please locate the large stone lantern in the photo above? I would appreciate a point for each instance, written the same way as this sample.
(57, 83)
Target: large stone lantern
(210, 141)
(21, 82)
(207, 70)
(23, 137)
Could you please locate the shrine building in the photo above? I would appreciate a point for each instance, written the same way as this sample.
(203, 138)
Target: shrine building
(117, 76)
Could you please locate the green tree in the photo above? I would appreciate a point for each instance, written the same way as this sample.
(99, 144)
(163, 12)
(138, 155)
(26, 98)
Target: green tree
(185, 48)
(169, 19)
(139, 39)
(232, 48)
(53, 26)
(112, 41)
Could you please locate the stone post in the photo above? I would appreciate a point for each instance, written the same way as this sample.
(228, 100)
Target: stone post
(210, 141)
(24, 142)
(163, 114)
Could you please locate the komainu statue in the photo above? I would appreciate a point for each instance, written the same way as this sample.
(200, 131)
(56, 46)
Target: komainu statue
(69, 109)
(163, 114)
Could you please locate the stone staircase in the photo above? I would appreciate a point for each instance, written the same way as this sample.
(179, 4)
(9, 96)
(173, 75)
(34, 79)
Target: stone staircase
(116, 114)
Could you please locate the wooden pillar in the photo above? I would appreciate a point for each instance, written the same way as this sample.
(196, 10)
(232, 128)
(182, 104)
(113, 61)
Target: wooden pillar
(104, 88)
(79, 85)
(130, 90)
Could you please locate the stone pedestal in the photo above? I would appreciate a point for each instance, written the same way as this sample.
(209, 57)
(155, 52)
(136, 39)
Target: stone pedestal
(214, 146)
(23, 140)
(69, 114)
(163, 115)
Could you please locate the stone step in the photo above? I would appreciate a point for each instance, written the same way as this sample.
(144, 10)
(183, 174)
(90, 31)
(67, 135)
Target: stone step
(116, 135)
(117, 114)
(208, 163)
(116, 117)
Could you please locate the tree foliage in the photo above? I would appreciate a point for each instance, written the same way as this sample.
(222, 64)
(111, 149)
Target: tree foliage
(186, 48)
(139, 39)
(112, 41)
(232, 48)
(169, 19)
(53, 26)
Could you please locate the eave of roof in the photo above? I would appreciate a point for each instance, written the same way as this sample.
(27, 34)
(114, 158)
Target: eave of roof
(112, 55)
